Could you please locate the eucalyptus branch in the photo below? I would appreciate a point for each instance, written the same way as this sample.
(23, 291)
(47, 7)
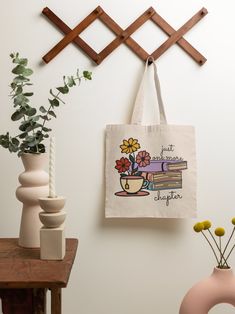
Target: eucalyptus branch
(32, 124)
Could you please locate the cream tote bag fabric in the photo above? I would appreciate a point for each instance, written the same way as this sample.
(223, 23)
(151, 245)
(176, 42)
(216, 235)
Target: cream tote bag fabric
(150, 170)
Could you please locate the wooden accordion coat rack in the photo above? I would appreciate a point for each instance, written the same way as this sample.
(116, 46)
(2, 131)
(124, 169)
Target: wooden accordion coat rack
(124, 36)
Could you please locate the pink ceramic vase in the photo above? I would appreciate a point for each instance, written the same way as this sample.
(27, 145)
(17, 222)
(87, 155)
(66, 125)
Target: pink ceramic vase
(34, 184)
(203, 296)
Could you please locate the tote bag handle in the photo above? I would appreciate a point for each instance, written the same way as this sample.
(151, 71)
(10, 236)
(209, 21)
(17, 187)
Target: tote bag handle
(137, 115)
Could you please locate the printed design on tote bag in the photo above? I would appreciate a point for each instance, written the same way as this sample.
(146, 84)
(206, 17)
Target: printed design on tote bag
(131, 179)
(139, 171)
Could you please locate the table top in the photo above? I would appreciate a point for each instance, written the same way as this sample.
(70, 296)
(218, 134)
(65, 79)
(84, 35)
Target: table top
(23, 268)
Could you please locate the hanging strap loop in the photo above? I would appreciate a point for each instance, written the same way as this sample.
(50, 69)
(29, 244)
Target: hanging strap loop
(137, 115)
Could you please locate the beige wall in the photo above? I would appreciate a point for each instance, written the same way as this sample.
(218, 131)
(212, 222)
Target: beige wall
(125, 266)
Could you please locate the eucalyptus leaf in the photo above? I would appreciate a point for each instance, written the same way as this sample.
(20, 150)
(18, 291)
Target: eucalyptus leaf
(42, 109)
(27, 72)
(31, 112)
(51, 113)
(71, 81)
(15, 141)
(28, 94)
(87, 75)
(54, 102)
(17, 115)
(64, 89)
(23, 135)
(23, 61)
(21, 79)
(19, 69)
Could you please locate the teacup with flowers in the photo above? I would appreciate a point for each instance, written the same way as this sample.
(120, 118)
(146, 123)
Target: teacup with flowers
(131, 179)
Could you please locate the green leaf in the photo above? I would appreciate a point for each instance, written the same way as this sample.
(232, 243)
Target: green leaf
(132, 159)
(138, 173)
(42, 109)
(41, 148)
(46, 129)
(46, 135)
(17, 115)
(20, 100)
(23, 61)
(45, 117)
(19, 90)
(71, 81)
(13, 148)
(31, 112)
(87, 75)
(123, 174)
(21, 79)
(36, 118)
(24, 125)
(27, 72)
(19, 69)
(51, 113)
(30, 138)
(23, 135)
(15, 141)
(28, 94)
(55, 96)
(64, 89)
(4, 140)
(54, 102)
(32, 126)
(13, 85)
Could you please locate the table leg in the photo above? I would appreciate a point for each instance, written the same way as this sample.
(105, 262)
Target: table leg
(56, 301)
(39, 301)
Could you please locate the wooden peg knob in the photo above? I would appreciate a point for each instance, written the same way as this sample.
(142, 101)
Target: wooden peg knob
(123, 35)
(98, 10)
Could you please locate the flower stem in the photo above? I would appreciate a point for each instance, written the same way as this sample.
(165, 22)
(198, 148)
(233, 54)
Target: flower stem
(229, 254)
(221, 254)
(220, 262)
(229, 240)
(211, 247)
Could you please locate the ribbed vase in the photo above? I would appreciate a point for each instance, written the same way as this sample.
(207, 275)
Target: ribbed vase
(34, 184)
(216, 289)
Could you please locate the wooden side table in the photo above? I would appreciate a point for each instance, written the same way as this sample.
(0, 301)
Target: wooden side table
(25, 279)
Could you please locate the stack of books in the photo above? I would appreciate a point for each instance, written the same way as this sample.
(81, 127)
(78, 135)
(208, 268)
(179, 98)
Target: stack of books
(163, 175)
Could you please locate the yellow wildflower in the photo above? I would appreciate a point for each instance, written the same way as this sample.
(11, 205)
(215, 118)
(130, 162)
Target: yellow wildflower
(198, 227)
(233, 221)
(130, 146)
(219, 231)
(207, 224)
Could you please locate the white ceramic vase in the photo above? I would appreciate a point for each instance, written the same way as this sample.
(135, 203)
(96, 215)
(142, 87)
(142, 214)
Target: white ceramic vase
(34, 184)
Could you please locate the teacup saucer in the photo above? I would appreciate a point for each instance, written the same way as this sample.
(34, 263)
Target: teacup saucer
(125, 194)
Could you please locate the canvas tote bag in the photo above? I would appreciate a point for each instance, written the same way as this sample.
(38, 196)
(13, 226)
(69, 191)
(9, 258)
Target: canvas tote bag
(150, 170)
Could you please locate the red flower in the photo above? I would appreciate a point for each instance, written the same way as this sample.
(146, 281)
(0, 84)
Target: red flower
(143, 158)
(122, 165)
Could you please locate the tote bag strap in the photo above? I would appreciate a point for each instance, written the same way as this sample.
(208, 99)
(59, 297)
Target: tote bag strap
(137, 115)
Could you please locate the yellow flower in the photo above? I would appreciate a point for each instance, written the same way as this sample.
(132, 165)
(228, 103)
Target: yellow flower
(130, 146)
(233, 221)
(219, 232)
(207, 224)
(198, 227)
